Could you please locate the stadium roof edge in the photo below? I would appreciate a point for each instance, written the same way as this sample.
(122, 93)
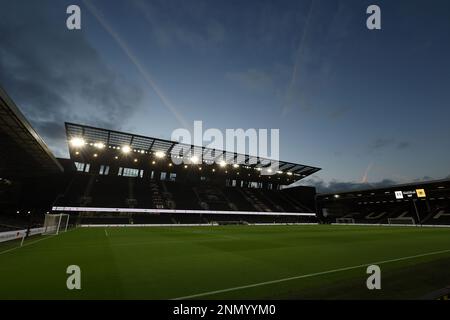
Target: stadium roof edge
(19, 132)
(108, 136)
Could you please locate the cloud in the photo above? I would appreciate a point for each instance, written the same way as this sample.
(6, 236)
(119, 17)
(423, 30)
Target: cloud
(55, 75)
(403, 145)
(380, 143)
(344, 186)
(339, 112)
(172, 25)
(383, 143)
(251, 79)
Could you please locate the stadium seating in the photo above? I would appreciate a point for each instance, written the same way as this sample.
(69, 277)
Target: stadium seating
(120, 192)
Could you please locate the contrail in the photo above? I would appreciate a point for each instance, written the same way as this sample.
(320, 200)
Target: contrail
(287, 103)
(122, 44)
(365, 178)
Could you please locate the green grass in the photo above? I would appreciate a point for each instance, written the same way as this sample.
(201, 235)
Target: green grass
(167, 263)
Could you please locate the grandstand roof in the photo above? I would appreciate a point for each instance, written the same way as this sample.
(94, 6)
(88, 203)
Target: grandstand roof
(149, 145)
(440, 183)
(23, 152)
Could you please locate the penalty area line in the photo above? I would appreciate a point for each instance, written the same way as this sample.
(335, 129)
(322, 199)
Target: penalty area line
(310, 275)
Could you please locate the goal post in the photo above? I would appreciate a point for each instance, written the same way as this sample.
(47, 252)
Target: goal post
(345, 221)
(56, 223)
(402, 221)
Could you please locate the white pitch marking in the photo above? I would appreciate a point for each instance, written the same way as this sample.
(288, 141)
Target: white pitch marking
(25, 245)
(306, 276)
(30, 243)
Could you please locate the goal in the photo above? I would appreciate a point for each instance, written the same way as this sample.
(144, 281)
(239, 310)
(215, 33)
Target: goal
(402, 221)
(56, 223)
(345, 220)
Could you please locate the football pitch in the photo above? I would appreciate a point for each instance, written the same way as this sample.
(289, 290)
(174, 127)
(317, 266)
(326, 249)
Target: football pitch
(230, 262)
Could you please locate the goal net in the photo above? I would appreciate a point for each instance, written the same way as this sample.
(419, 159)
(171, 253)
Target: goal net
(56, 223)
(345, 220)
(404, 220)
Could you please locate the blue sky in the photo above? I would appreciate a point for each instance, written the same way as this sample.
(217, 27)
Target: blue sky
(366, 106)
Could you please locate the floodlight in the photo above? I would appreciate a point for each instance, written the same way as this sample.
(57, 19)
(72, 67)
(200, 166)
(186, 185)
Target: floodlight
(99, 145)
(223, 164)
(126, 149)
(160, 154)
(194, 159)
(77, 142)
(289, 173)
(235, 165)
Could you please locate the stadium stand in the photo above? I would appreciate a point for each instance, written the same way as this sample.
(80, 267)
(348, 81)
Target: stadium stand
(114, 177)
(111, 174)
(426, 203)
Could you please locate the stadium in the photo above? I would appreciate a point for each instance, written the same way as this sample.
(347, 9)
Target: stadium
(219, 159)
(142, 227)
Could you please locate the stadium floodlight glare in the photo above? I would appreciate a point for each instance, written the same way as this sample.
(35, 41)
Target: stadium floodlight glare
(235, 165)
(289, 173)
(126, 149)
(160, 154)
(194, 159)
(77, 142)
(269, 170)
(99, 145)
(135, 160)
(222, 164)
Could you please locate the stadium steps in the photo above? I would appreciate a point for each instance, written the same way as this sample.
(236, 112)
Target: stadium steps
(157, 199)
(167, 196)
(239, 200)
(254, 200)
(273, 201)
